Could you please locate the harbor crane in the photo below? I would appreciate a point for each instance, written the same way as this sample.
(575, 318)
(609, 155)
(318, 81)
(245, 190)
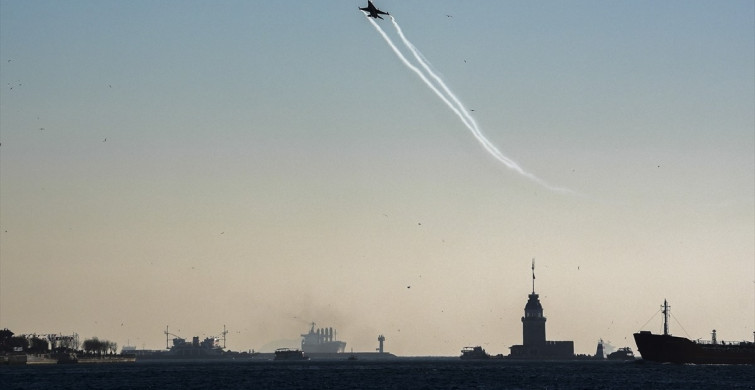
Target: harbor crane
(167, 335)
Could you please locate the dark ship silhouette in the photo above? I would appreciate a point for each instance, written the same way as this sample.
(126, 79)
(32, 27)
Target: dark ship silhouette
(196, 349)
(624, 353)
(666, 348)
(474, 353)
(289, 354)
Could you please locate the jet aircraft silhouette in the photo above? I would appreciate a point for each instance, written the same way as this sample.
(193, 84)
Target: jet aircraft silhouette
(373, 11)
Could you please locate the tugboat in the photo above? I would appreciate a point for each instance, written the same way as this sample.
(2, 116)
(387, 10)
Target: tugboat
(474, 353)
(665, 348)
(289, 354)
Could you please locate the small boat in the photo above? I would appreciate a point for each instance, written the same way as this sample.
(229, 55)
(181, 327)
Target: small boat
(289, 354)
(621, 354)
(474, 353)
(352, 356)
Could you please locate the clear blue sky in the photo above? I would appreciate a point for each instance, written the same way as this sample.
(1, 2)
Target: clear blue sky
(268, 164)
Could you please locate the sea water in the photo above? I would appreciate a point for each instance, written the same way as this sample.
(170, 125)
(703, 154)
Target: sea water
(417, 373)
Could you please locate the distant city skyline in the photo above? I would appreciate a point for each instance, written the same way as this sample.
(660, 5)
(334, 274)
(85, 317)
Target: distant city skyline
(267, 165)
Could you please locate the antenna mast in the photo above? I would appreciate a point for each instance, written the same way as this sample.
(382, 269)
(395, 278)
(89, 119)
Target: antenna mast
(665, 318)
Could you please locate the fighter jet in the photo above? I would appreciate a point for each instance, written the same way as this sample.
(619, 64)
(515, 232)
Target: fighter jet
(374, 12)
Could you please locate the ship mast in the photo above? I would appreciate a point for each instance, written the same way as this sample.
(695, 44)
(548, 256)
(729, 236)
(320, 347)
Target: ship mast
(167, 336)
(665, 317)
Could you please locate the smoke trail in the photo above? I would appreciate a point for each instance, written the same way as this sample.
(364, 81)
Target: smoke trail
(418, 72)
(424, 62)
(458, 108)
(470, 120)
(471, 123)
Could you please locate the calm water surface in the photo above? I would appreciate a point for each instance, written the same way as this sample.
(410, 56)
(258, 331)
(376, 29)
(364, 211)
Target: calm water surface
(397, 374)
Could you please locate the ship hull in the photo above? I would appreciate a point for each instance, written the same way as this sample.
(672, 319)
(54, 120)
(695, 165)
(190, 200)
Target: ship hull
(325, 347)
(672, 349)
(169, 355)
(352, 356)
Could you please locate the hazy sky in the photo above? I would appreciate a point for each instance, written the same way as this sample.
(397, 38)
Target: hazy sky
(266, 164)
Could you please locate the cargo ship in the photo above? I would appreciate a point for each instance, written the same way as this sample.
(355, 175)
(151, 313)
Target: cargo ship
(183, 349)
(321, 344)
(321, 341)
(665, 348)
(207, 349)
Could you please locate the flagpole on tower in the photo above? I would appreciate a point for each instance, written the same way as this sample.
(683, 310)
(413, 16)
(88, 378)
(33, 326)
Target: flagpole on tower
(533, 275)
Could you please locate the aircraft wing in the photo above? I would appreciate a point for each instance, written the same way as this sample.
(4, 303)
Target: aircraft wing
(373, 11)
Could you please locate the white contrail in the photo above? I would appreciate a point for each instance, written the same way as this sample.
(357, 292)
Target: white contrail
(425, 64)
(470, 123)
(470, 120)
(418, 72)
(459, 108)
